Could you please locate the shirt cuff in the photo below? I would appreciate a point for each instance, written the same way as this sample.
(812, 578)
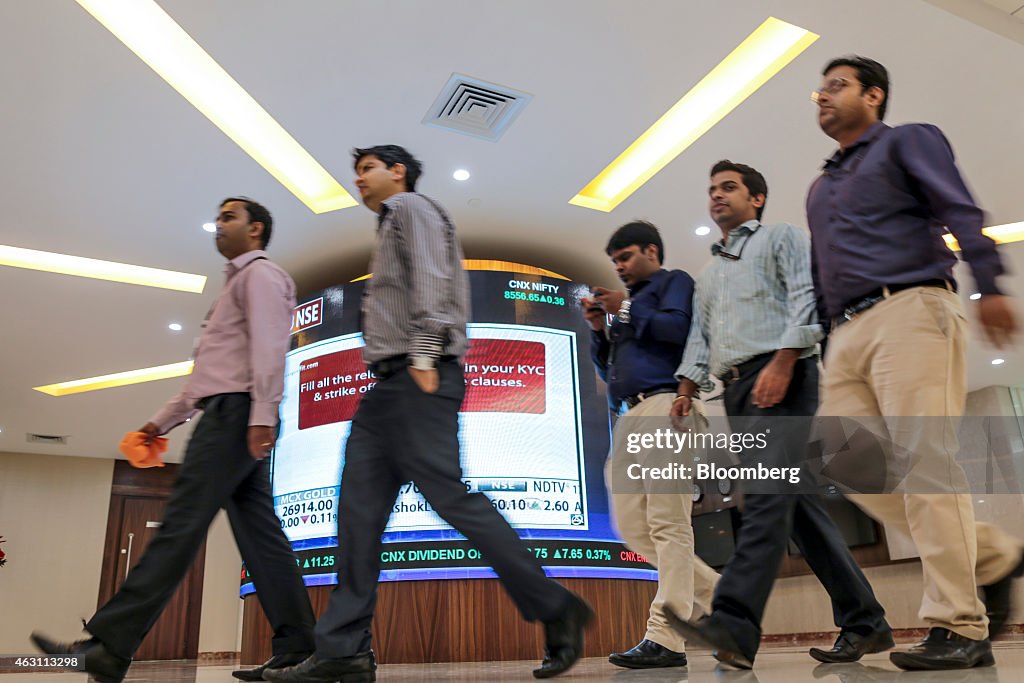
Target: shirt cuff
(263, 414)
(802, 337)
(162, 424)
(166, 420)
(426, 345)
(986, 283)
(696, 375)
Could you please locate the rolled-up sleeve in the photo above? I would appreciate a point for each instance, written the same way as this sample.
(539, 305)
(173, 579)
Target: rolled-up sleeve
(793, 256)
(694, 365)
(426, 242)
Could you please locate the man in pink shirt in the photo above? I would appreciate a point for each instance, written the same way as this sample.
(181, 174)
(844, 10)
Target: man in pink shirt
(237, 383)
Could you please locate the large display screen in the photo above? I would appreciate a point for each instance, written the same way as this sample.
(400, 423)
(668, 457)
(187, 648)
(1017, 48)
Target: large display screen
(534, 432)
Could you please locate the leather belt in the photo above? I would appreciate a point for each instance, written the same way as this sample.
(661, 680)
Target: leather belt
(389, 367)
(636, 399)
(858, 306)
(738, 372)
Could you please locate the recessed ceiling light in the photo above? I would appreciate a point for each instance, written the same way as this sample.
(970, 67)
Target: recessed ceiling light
(175, 326)
(161, 43)
(101, 270)
(461, 174)
(975, 296)
(998, 361)
(119, 379)
(764, 53)
(1001, 234)
(703, 230)
(210, 227)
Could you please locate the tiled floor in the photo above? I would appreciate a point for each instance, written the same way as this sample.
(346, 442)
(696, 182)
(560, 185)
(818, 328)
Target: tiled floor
(774, 665)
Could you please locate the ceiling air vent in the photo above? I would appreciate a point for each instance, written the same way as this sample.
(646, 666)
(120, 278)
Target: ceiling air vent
(477, 108)
(46, 438)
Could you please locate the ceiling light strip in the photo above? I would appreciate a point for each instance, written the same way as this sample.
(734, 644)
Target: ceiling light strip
(101, 270)
(498, 266)
(118, 379)
(757, 59)
(162, 44)
(1002, 234)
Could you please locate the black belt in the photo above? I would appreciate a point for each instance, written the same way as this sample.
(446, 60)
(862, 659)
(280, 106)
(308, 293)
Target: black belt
(738, 372)
(858, 306)
(389, 367)
(636, 399)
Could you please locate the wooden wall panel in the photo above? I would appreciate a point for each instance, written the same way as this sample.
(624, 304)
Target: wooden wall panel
(471, 620)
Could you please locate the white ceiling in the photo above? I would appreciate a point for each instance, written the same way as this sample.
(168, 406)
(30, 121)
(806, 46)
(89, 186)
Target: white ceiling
(1005, 17)
(101, 158)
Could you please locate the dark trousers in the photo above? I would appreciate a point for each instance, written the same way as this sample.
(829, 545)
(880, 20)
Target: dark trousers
(400, 434)
(218, 472)
(770, 519)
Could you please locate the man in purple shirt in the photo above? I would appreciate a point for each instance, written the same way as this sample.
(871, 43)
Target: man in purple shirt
(897, 346)
(237, 382)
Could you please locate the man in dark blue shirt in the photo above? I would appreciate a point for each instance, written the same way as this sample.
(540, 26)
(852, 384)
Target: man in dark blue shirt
(637, 356)
(897, 347)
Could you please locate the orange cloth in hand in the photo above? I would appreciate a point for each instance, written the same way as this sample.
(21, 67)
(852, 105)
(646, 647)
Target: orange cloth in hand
(134, 447)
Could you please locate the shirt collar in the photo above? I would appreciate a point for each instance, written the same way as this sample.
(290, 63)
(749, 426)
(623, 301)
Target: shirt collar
(748, 228)
(657, 275)
(239, 262)
(387, 205)
(869, 136)
(390, 202)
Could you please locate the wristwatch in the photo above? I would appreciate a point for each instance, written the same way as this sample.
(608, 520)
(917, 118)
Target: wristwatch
(624, 310)
(422, 363)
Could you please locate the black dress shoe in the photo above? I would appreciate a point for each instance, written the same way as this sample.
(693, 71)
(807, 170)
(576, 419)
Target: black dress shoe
(563, 638)
(648, 655)
(276, 662)
(711, 634)
(850, 646)
(93, 657)
(359, 668)
(997, 597)
(943, 649)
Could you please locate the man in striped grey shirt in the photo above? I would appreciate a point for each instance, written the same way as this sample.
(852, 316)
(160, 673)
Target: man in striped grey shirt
(755, 327)
(414, 313)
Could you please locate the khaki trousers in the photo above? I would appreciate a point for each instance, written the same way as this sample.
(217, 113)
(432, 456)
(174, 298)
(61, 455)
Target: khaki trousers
(657, 525)
(904, 359)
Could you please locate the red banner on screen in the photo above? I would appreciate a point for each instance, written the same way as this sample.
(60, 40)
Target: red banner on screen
(330, 387)
(502, 376)
(505, 376)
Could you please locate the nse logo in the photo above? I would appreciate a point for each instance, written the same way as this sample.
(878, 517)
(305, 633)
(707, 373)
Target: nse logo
(309, 314)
